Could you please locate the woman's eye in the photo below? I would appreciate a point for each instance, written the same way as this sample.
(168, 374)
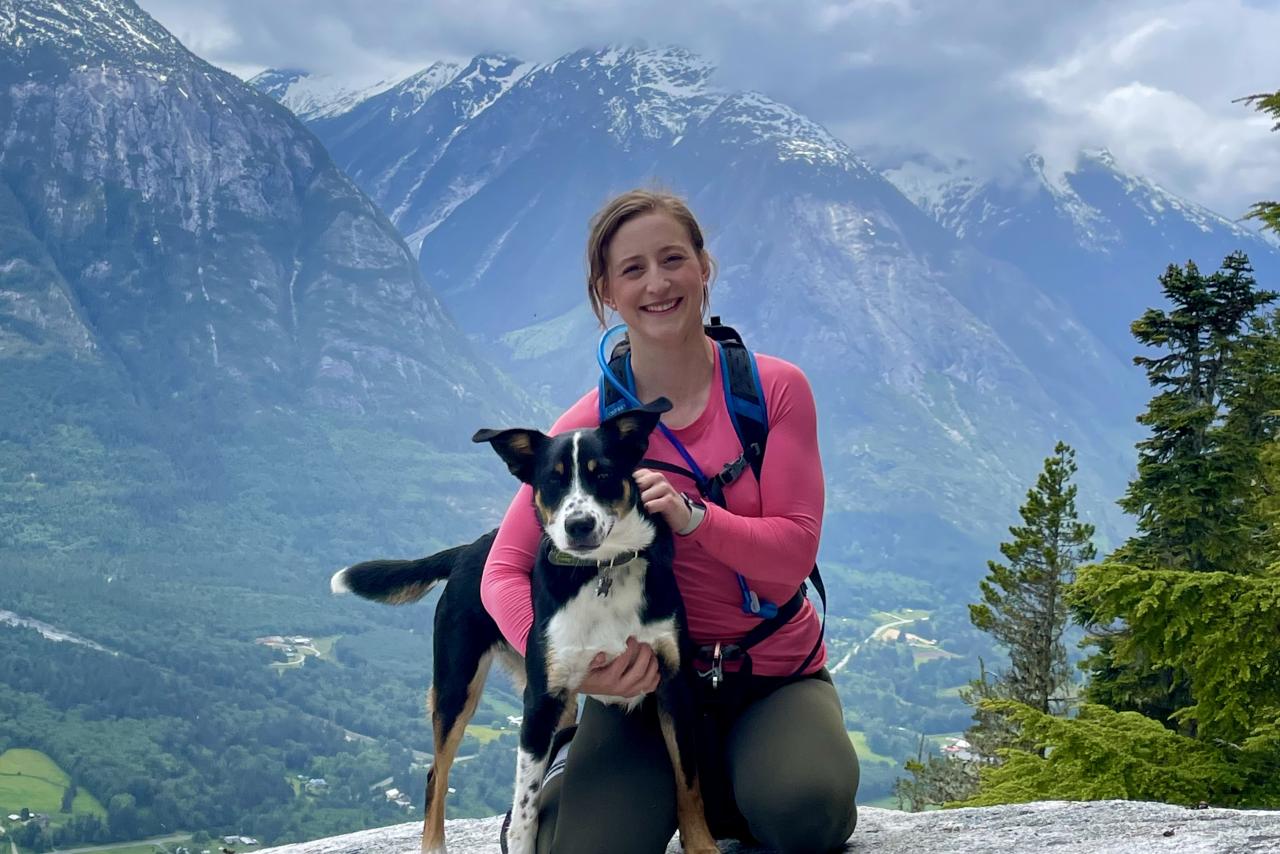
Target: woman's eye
(671, 258)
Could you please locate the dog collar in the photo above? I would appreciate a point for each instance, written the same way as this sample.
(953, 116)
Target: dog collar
(560, 558)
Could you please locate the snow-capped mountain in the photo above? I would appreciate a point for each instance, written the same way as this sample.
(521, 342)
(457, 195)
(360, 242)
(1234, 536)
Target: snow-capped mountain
(317, 96)
(1096, 236)
(170, 220)
(943, 375)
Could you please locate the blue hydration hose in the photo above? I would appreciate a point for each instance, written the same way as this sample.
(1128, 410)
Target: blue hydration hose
(751, 603)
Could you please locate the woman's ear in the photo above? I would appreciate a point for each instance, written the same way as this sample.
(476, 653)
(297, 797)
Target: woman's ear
(602, 288)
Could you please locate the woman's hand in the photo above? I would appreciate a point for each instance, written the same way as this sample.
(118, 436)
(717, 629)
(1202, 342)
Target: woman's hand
(633, 673)
(661, 499)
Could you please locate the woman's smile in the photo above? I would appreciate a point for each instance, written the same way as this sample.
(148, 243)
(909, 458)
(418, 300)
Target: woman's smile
(662, 307)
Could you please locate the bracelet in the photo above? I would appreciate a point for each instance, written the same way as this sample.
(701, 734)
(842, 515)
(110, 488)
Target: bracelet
(697, 512)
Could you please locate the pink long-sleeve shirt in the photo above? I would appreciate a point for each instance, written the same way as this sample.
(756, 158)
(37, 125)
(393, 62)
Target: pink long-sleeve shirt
(768, 533)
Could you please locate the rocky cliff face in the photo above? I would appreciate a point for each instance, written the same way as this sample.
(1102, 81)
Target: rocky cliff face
(165, 218)
(1101, 827)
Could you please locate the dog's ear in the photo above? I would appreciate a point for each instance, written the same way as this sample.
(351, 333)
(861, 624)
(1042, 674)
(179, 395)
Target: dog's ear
(518, 448)
(628, 431)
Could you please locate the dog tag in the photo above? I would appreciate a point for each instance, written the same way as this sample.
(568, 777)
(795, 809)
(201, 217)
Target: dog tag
(603, 582)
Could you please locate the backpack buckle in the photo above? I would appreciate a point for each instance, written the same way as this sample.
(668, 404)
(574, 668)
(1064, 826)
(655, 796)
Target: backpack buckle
(719, 652)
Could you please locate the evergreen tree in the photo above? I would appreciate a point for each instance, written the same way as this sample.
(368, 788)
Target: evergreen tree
(1024, 607)
(1186, 614)
(1197, 476)
(1248, 440)
(1101, 754)
(1023, 603)
(935, 780)
(1268, 212)
(1186, 502)
(990, 731)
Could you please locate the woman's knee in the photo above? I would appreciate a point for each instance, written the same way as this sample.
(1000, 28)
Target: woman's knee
(811, 814)
(617, 790)
(795, 773)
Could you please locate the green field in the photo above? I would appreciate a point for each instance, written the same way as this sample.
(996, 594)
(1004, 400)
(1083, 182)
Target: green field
(864, 751)
(324, 647)
(914, 614)
(486, 734)
(30, 779)
(921, 654)
(901, 614)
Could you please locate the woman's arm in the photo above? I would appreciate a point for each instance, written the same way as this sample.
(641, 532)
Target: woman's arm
(781, 544)
(506, 589)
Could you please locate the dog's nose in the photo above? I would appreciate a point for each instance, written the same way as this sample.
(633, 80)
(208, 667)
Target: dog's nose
(579, 526)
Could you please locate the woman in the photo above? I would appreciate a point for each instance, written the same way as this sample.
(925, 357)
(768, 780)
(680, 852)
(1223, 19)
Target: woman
(778, 765)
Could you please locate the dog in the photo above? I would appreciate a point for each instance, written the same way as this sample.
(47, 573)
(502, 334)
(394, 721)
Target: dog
(603, 574)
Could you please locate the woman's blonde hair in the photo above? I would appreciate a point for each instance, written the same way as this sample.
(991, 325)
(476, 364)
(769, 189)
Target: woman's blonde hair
(623, 208)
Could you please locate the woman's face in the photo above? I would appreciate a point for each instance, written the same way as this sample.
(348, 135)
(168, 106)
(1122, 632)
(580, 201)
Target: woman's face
(654, 278)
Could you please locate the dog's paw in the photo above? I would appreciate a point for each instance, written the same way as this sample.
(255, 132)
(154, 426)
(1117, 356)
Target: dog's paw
(339, 584)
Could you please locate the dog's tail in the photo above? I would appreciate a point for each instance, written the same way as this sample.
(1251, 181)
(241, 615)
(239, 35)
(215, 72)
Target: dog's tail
(395, 582)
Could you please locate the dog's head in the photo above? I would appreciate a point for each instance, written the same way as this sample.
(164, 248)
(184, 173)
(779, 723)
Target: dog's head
(586, 499)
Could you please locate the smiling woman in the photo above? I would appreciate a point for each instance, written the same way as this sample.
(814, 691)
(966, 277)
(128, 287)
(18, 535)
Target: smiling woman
(775, 763)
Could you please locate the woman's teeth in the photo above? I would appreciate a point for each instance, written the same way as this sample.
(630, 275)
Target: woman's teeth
(659, 308)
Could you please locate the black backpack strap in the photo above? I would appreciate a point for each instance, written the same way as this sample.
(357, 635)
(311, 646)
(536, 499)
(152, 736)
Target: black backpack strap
(815, 578)
(715, 655)
(744, 395)
(611, 400)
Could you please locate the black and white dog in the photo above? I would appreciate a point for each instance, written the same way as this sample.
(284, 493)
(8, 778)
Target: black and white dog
(603, 574)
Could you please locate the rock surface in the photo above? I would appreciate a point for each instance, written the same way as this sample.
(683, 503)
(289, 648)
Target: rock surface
(1098, 827)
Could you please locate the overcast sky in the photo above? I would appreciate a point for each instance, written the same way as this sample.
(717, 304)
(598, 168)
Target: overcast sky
(982, 80)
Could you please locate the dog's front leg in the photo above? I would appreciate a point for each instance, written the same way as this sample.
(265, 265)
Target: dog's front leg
(542, 713)
(677, 717)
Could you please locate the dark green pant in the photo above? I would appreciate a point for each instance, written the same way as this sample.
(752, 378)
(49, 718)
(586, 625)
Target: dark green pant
(778, 770)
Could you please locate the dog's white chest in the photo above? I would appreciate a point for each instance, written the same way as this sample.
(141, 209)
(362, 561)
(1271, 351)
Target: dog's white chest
(591, 623)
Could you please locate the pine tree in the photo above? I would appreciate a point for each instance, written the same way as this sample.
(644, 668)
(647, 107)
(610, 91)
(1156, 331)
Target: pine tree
(935, 780)
(1197, 477)
(1249, 439)
(1023, 604)
(1197, 645)
(1184, 497)
(1268, 212)
(990, 731)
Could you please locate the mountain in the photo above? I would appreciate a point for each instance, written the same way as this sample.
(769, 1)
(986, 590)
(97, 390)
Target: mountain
(224, 376)
(316, 96)
(174, 223)
(1096, 236)
(943, 374)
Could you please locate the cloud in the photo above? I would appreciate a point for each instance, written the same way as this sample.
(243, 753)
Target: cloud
(1159, 90)
(985, 80)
